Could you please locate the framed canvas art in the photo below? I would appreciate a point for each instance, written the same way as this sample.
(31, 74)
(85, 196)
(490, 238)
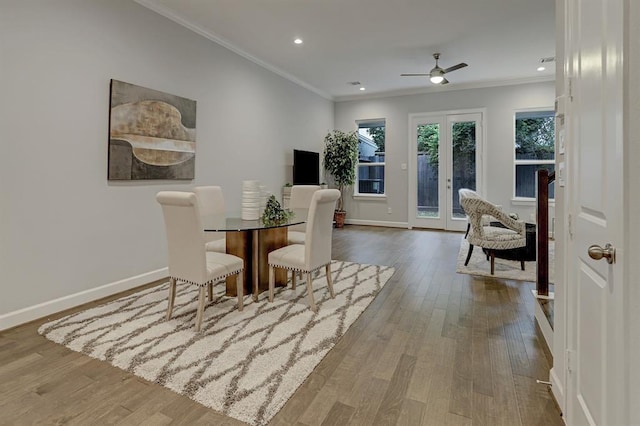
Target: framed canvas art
(152, 135)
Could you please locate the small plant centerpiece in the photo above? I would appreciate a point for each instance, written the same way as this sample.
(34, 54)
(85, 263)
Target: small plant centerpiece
(340, 158)
(274, 214)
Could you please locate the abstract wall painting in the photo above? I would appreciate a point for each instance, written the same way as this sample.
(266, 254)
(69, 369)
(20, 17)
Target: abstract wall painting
(152, 135)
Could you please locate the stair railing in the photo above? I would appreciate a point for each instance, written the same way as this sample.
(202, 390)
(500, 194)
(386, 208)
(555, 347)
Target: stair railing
(542, 219)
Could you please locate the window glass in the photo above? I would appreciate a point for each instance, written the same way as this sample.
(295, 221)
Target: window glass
(371, 158)
(534, 150)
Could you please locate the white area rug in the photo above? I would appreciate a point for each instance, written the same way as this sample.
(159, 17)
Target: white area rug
(507, 269)
(244, 364)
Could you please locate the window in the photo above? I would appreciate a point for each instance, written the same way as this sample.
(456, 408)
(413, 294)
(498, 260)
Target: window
(535, 149)
(370, 170)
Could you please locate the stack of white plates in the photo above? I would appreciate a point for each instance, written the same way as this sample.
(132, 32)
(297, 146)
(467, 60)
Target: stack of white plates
(250, 200)
(264, 195)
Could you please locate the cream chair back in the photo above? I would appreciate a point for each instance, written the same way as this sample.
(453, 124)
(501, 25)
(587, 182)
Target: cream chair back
(185, 236)
(477, 208)
(319, 226)
(301, 196)
(210, 199)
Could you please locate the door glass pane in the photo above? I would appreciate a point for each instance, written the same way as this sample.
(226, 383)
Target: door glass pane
(463, 138)
(427, 170)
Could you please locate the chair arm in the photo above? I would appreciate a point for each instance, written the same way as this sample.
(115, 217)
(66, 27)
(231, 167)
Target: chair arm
(515, 225)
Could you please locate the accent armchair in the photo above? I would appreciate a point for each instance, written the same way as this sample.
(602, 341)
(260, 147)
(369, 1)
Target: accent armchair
(511, 235)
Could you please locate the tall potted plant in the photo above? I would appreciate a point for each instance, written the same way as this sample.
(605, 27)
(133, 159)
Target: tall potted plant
(340, 158)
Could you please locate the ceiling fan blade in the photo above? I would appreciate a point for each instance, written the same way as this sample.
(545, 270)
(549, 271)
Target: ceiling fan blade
(415, 75)
(445, 81)
(455, 67)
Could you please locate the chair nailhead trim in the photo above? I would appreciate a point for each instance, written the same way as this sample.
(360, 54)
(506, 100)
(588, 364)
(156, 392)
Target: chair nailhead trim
(295, 269)
(221, 277)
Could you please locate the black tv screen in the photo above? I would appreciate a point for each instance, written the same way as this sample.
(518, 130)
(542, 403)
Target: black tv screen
(306, 167)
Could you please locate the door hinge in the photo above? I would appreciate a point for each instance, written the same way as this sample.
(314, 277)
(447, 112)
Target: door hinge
(570, 359)
(569, 226)
(570, 88)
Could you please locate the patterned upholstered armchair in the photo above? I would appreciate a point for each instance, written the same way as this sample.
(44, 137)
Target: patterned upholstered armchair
(510, 235)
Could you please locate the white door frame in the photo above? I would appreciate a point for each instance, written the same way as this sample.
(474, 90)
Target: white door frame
(443, 118)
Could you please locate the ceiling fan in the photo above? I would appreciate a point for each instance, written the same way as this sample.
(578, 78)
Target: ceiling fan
(436, 75)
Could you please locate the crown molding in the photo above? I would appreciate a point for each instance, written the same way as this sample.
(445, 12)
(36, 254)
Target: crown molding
(167, 13)
(446, 88)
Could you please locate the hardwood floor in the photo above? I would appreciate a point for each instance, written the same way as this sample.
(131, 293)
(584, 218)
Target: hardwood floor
(433, 348)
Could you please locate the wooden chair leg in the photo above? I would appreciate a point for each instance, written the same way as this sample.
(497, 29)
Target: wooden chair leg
(522, 265)
(240, 290)
(493, 260)
(312, 303)
(466, 262)
(293, 279)
(468, 227)
(272, 282)
(210, 291)
(172, 297)
(327, 269)
(200, 312)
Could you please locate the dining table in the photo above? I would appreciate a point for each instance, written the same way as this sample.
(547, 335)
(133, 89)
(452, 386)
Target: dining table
(253, 240)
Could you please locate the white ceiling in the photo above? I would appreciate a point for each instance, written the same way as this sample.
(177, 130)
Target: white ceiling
(374, 41)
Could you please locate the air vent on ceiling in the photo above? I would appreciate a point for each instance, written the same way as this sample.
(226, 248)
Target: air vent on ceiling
(549, 59)
(354, 83)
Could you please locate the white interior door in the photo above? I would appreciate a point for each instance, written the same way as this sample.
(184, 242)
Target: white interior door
(444, 151)
(595, 306)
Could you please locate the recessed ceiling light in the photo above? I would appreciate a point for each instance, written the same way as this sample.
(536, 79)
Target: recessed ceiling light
(298, 41)
(541, 68)
(362, 88)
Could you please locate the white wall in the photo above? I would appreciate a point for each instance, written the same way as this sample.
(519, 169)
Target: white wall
(66, 232)
(501, 104)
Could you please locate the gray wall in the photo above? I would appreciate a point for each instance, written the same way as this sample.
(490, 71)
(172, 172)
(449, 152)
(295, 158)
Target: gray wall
(67, 234)
(500, 103)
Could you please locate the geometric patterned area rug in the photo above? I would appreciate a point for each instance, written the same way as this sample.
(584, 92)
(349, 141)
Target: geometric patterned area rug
(507, 269)
(245, 364)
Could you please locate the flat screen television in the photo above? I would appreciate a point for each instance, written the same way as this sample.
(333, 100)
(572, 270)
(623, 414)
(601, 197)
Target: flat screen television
(306, 167)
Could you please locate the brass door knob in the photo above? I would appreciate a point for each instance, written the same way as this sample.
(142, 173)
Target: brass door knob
(608, 252)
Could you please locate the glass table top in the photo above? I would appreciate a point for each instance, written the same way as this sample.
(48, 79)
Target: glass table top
(231, 222)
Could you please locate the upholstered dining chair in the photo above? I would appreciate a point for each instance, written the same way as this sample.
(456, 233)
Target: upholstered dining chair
(301, 196)
(188, 259)
(211, 201)
(511, 235)
(315, 252)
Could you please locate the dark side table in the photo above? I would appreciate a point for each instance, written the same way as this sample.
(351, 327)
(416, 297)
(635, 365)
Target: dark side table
(526, 253)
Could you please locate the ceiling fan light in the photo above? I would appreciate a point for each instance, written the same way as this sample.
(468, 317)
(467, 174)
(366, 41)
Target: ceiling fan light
(436, 79)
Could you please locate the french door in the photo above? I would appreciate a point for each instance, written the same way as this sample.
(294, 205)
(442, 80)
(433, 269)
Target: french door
(444, 151)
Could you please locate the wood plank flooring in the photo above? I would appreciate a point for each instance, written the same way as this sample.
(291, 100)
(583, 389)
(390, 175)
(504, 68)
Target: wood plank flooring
(433, 348)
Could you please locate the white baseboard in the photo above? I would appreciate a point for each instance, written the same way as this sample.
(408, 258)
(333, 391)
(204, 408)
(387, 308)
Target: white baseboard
(543, 323)
(377, 223)
(557, 389)
(31, 313)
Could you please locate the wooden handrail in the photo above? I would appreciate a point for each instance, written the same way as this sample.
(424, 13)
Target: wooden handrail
(542, 220)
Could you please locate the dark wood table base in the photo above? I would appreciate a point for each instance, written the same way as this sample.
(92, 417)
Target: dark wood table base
(254, 247)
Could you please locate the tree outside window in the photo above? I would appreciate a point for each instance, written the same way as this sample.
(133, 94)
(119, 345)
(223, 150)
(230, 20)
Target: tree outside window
(534, 150)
